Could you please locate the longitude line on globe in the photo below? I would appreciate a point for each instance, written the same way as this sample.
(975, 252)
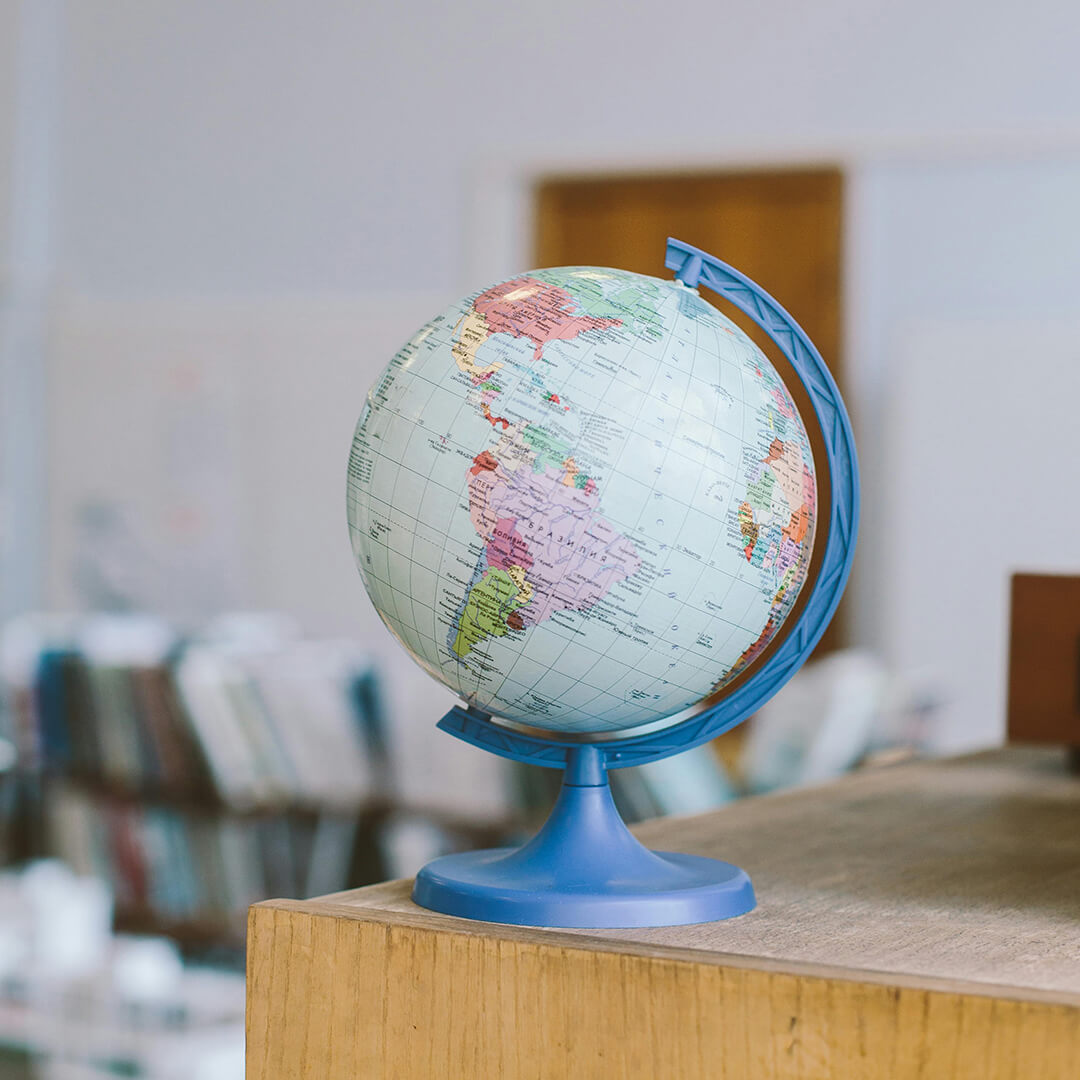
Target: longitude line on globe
(643, 401)
(592, 341)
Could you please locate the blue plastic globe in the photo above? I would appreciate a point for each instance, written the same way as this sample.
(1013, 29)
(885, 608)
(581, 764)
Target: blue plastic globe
(582, 499)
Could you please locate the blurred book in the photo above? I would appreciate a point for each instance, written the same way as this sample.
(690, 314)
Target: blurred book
(196, 776)
(687, 783)
(248, 719)
(189, 866)
(832, 716)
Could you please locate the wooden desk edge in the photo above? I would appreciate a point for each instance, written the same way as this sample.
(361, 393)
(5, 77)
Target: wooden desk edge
(555, 939)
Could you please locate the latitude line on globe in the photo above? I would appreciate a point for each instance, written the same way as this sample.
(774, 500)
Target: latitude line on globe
(614, 408)
(700, 611)
(469, 548)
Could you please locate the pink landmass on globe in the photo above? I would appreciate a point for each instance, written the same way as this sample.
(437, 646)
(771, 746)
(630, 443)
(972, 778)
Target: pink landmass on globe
(535, 521)
(783, 403)
(526, 307)
(788, 556)
(507, 547)
(809, 491)
(572, 554)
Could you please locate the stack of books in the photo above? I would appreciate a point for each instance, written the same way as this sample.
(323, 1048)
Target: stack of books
(183, 868)
(196, 775)
(253, 719)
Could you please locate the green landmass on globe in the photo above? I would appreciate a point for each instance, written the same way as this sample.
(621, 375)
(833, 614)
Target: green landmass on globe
(583, 499)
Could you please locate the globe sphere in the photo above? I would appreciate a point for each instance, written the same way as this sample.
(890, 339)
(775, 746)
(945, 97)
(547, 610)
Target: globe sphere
(582, 499)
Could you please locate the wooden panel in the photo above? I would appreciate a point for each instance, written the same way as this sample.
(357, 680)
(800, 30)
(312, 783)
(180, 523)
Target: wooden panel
(922, 921)
(336, 999)
(1044, 658)
(781, 227)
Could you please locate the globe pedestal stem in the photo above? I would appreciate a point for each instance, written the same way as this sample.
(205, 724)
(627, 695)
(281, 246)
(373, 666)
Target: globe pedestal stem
(584, 869)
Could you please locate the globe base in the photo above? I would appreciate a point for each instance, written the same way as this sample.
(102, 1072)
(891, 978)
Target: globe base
(584, 869)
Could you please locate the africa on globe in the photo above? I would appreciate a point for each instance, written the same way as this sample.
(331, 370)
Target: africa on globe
(583, 499)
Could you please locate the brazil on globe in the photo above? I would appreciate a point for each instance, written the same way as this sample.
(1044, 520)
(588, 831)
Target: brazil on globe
(582, 499)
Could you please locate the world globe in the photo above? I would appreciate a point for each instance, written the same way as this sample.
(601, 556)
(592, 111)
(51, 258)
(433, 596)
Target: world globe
(582, 499)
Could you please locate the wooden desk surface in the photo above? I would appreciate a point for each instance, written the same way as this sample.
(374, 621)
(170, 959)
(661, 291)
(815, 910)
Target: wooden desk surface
(931, 886)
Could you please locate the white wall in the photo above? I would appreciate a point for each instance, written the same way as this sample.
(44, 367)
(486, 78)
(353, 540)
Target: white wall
(8, 37)
(963, 278)
(981, 465)
(254, 146)
(219, 435)
(9, 32)
(253, 178)
(31, 37)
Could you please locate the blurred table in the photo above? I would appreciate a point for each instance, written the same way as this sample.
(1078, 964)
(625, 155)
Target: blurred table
(917, 921)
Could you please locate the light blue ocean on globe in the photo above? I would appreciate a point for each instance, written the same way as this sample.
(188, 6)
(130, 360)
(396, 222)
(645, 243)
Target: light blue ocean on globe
(582, 499)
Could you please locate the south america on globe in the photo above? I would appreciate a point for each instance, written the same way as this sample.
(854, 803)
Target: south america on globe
(582, 499)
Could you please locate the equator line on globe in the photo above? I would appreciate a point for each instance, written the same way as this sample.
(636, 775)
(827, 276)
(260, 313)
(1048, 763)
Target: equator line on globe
(583, 499)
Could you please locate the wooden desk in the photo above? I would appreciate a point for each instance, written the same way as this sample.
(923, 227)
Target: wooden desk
(919, 921)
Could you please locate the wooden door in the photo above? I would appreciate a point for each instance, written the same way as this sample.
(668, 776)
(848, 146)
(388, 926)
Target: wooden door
(780, 227)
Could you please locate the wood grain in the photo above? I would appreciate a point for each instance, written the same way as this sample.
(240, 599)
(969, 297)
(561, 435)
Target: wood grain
(919, 922)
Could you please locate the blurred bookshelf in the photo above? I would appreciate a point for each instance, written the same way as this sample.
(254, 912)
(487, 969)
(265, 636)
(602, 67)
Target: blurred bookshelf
(194, 774)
